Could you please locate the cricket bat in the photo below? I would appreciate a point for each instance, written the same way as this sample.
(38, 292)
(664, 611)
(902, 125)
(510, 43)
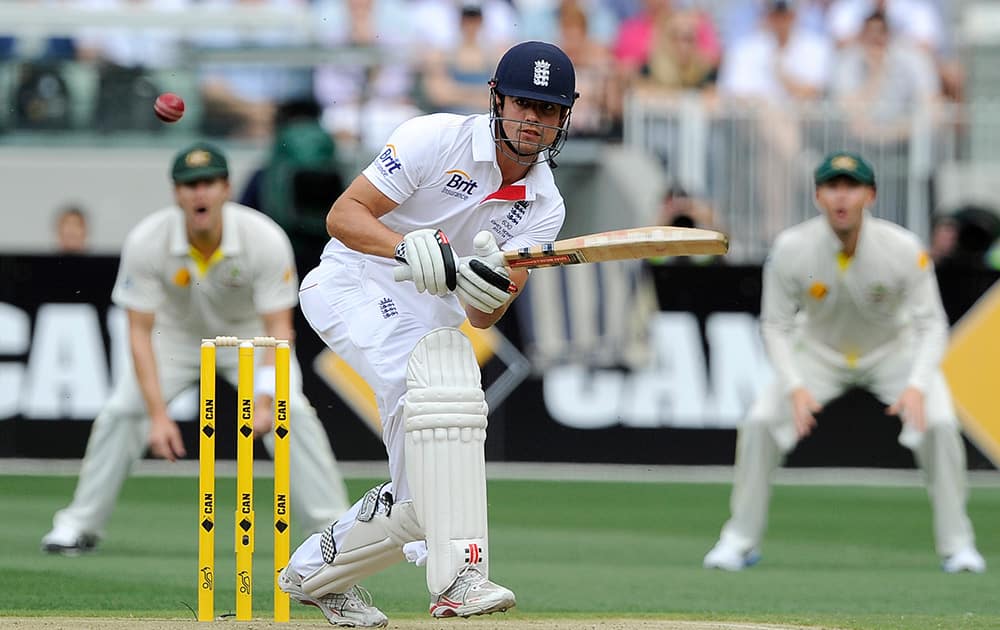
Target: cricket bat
(628, 244)
(643, 242)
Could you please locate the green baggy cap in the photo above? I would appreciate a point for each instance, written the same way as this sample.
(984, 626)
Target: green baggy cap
(846, 164)
(201, 160)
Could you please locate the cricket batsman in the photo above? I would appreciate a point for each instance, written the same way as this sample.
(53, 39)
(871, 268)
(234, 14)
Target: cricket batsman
(440, 198)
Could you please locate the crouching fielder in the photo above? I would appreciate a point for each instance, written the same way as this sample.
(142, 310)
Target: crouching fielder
(850, 301)
(436, 204)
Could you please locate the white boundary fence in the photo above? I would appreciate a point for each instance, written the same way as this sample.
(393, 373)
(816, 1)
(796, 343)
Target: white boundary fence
(754, 164)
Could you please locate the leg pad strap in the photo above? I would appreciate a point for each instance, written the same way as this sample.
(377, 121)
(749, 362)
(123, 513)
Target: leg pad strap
(373, 543)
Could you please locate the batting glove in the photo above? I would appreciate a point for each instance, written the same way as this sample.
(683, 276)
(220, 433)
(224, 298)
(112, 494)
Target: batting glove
(483, 281)
(433, 264)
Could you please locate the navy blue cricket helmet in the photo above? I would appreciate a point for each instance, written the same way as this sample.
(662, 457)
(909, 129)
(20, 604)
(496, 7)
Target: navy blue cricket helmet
(538, 71)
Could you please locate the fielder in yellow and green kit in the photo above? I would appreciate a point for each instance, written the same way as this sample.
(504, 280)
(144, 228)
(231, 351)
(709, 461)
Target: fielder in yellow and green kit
(848, 301)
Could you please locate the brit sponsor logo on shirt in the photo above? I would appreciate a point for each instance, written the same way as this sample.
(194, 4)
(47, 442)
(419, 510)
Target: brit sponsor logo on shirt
(387, 162)
(460, 184)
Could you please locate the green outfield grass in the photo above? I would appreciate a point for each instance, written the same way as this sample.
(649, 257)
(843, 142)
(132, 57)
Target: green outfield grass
(847, 557)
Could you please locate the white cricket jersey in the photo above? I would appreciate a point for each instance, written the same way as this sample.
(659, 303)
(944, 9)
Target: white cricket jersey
(254, 275)
(441, 169)
(886, 295)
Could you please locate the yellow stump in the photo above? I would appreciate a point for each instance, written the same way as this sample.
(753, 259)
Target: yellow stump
(206, 487)
(244, 485)
(282, 520)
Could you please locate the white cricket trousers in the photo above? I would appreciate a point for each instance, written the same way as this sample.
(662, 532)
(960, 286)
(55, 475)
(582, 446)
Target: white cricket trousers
(120, 435)
(373, 323)
(768, 435)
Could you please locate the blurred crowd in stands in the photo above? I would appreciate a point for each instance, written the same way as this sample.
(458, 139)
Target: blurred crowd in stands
(436, 55)
(360, 67)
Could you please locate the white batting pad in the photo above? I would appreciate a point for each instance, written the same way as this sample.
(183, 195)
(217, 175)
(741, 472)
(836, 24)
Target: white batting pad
(445, 418)
(374, 542)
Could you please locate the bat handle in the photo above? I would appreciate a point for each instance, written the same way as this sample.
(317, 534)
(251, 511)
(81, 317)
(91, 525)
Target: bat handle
(485, 246)
(402, 273)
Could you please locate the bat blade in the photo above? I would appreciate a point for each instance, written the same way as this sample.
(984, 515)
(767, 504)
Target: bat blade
(644, 242)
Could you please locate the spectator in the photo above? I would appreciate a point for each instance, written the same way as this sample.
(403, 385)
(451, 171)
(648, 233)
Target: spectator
(779, 63)
(436, 23)
(71, 231)
(881, 81)
(675, 62)
(681, 209)
(742, 17)
(635, 36)
(453, 78)
(598, 111)
(42, 98)
(966, 237)
(124, 57)
(240, 98)
(944, 238)
(777, 71)
(363, 102)
(540, 19)
(918, 21)
(300, 180)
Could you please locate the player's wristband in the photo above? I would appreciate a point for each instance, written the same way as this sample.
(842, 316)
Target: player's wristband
(400, 253)
(263, 381)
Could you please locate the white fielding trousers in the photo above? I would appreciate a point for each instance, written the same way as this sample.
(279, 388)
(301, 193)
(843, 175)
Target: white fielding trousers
(120, 435)
(768, 434)
(373, 323)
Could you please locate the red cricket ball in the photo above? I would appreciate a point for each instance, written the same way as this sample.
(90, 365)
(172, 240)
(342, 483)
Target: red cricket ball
(169, 107)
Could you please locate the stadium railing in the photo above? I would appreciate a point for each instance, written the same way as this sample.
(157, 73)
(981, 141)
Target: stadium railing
(754, 164)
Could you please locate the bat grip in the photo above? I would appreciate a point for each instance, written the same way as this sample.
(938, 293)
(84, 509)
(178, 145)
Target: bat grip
(485, 246)
(402, 273)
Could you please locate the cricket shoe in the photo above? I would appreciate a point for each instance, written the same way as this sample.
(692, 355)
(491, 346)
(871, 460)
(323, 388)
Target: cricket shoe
(350, 609)
(472, 594)
(730, 557)
(61, 541)
(967, 559)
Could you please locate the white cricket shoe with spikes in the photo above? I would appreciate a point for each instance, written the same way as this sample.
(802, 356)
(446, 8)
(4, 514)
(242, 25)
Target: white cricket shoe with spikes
(351, 609)
(967, 559)
(727, 556)
(472, 594)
